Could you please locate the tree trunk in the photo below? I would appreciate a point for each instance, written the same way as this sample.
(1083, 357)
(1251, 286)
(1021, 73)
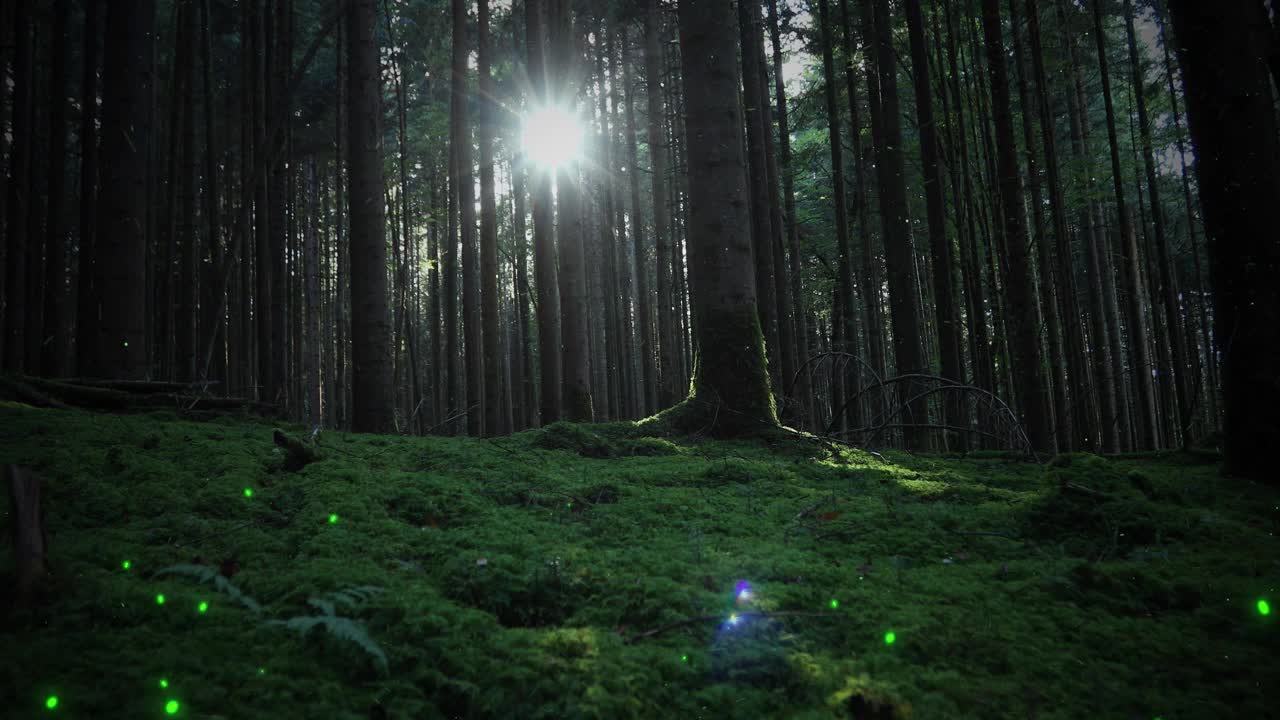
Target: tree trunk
(546, 274)
(758, 182)
(372, 400)
(1135, 320)
(1231, 114)
(122, 206)
(87, 319)
(19, 200)
(56, 345)
(804, 387)
(948, 319)
(493, 416)
(899, 255)
(668, 361)
(1024, 320)
(731, 381)
(844, 264)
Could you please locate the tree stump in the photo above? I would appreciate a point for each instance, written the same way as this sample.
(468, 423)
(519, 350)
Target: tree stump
(296, 454)
(29, 540)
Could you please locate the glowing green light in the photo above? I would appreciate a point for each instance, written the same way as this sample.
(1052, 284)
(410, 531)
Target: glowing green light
(126, 564)
(125, 343)
(262, 671)
(1264, 608)
(160, 599)
(333, 519)
(51, 702)
(163, 683)
(203, 607)
(889, 638)
(248, 492)
(684, 658)
(171, 707)
(834, 603)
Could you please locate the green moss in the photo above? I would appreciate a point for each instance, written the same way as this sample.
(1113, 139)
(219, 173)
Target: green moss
(517, 572)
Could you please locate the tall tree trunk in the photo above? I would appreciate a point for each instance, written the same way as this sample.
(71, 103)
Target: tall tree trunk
(844, 266)
(372, 399)
(668, 361)
(522, 358)
(1057, 375)
(122, 207)
(493, 415)
(185, 325)
(19, 200)
(1167, 293)
(210, 302)
(1024, 322)
(644, 300)
(758, 183)
(731, 381)
(1135, 320)
(899, 256)
(871, 283)
(571, 226)
(804, 387)
(546, 274)
(464, 185)
(56, 347)
(1236, 157)
(948, 319)
(87, 318)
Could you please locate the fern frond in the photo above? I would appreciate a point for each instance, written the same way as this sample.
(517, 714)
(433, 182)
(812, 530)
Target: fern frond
(341, 628)
(204, 574)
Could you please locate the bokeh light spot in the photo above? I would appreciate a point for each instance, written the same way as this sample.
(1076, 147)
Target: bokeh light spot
(171, 707)
(203, 607)
(834, 603)
(126, 564)
(333, 519)
(160, 599)
(1264, 608)
(890, 638)
(51, 702)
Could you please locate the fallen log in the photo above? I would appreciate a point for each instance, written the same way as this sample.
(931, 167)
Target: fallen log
(149, 396)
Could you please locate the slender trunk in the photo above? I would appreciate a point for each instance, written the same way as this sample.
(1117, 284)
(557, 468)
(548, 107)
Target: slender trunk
(899, 255)
(372, 399)
(1024, 323)
(948, 319)
(56, 346)
(1135, 320)
(668, 362)
(758, 183)
(122, 210)
(87, 308)
(19, 199)
(644, 300)
(493, 415)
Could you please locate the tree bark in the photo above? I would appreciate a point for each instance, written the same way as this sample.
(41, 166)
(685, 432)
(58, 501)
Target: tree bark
(668, 361)
(372, 400)
(1033, 400)
(1234, 134)
(122, 207)
(493, 415)
(731, 380)
(19, 199)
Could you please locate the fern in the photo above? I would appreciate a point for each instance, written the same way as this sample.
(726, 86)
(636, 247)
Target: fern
(340, 627)
(204, 574)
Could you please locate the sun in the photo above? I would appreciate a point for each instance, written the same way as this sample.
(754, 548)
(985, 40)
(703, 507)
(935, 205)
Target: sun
(552, 137)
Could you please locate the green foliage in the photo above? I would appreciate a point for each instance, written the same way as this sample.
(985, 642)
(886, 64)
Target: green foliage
(205, 573)
(516, 579)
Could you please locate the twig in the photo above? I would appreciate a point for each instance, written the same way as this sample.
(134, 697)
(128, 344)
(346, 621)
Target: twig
(704, 618)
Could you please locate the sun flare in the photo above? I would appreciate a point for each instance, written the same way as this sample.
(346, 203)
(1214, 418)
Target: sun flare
(552, 137)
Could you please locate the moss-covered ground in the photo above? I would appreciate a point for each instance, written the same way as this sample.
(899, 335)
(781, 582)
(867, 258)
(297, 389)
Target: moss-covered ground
(518, 577)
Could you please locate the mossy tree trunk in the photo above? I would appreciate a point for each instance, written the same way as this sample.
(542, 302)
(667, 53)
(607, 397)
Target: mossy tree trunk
(730, 389)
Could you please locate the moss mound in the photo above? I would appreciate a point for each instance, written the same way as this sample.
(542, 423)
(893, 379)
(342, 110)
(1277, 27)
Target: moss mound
(599, 571)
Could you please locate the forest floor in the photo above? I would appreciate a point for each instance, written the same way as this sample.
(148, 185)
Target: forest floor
(525, 577)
